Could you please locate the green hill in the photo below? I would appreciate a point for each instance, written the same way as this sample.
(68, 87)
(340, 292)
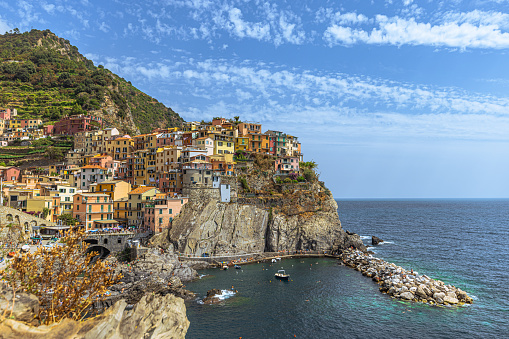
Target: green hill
(42, 75)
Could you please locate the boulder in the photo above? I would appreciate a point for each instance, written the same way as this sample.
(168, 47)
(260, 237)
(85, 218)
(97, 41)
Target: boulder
(439, 295)
(407, 295)
(212, 296)
(376, 240)
(450, 300)
(186, 274)
(420, 292)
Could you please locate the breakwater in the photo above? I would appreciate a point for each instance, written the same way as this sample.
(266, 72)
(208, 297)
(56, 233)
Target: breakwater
(403, 284)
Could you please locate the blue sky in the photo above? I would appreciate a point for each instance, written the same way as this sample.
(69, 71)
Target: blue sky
(393, 99)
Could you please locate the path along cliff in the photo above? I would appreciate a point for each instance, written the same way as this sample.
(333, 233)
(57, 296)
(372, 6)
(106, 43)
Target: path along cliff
(262, 216)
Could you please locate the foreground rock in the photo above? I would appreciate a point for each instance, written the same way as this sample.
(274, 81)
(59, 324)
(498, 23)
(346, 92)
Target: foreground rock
(26, 306)
(402, 284)
(153, 317)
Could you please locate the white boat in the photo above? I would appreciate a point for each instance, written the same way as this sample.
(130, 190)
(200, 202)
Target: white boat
(281, 274)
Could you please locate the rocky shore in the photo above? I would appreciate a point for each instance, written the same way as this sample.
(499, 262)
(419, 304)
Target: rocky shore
(403, 284)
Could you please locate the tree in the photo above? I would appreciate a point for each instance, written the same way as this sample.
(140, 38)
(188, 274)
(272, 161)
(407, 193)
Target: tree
(45, 212)
(65, 280)
(55, 153)
(67, 219)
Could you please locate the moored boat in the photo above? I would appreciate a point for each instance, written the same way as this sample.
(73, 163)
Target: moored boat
(281, 274)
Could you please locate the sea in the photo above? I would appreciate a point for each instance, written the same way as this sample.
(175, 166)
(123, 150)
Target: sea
(464, 243)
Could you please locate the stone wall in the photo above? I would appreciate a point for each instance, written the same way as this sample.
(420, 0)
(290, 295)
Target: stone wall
(27, 222)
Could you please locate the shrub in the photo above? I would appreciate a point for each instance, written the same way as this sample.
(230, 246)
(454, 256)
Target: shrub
(244, 184)
(287, 180)
(65, 280)
(301, 179)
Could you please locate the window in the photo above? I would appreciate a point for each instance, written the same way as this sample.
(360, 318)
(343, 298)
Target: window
(170, 211)
(160, 220)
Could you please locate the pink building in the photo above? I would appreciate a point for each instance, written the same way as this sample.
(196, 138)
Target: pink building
(160, 211)
(5, 114)
(48, 129)
(77, 123)
(10, 174)
(287, 164)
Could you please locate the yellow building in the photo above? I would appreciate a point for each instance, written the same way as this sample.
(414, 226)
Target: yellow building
(38, 204)
(116, 189)
(136, 199)
(168, 158)
(241, 144)
(224, 145)
(121, 209)
(120, 148)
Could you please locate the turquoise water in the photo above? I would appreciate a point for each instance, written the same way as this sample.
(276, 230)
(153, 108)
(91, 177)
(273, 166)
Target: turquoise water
(460, 242)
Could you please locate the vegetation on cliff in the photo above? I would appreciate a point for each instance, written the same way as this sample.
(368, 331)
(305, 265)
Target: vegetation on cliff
(44, 76)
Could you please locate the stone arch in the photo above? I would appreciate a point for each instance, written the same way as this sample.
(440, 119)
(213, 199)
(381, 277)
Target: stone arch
(16, 217)
(26, 226)
(105, 241)
(9, 217)
(102, 251)
(33, 223)
(91, 241)
(42, 225)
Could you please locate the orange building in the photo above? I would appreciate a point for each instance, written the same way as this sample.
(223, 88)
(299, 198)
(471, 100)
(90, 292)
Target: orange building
(93, 210)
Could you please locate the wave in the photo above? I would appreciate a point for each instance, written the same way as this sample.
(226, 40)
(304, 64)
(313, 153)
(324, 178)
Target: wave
(365, 237)
(371, 249)
(202, 275)
(386, 242)
(225, 294)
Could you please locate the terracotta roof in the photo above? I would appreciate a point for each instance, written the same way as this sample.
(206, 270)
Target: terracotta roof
(141, 190)
(94, 166)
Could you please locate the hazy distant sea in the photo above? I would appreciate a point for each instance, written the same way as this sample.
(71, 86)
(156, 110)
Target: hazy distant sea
(462, 242)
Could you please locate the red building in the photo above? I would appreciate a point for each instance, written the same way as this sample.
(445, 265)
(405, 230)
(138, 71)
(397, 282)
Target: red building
(77, 123)
(48, 129)
(5, 114)
(10, 173)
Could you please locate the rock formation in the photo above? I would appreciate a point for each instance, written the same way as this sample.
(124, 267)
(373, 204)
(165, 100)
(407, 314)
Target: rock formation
(206, 225)
(154, 316)
(375, 240)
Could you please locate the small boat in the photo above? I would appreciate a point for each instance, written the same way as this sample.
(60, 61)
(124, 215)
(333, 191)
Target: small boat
(238, 267)
(11, 254)
(281, 274)
(225, 267)
(274, 260)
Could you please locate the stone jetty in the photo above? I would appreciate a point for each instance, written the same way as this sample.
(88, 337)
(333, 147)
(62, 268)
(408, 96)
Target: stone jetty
(403, 284)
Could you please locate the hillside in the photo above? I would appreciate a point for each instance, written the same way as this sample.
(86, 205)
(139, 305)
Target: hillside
(42, 75)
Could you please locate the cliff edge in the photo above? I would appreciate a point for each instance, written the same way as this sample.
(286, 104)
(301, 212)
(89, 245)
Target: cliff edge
(264, 214)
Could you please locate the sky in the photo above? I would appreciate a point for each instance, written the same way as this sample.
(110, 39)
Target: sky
(392, 99)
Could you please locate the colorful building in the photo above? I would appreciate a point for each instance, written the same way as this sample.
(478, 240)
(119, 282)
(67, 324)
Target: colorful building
(93, 210)
(160, 210)
(77, 123)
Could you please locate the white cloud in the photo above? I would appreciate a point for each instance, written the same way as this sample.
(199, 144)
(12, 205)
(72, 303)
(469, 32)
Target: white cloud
(104, 27)
(241, 28)
(50, 8)
(4, 26)
(399, 31)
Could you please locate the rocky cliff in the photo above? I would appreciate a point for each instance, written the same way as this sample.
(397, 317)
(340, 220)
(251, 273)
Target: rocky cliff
(273, 217)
